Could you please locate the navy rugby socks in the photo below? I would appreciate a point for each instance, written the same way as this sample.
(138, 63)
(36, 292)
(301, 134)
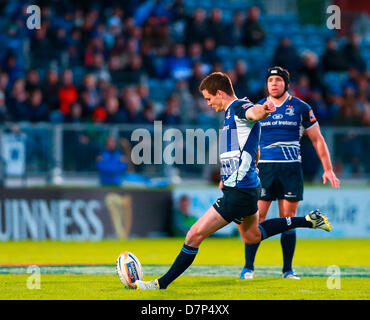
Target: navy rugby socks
(288, 240)
(274, 226)
(182, 262)
(250, 254)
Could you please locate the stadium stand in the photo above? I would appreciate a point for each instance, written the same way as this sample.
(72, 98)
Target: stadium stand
(122, 45)
(127, 46)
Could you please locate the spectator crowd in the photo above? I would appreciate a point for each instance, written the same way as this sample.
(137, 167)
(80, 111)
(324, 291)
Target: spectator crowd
(94, 62)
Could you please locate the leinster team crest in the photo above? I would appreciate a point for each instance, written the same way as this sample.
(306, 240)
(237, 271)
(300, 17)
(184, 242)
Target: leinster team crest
(289, 111)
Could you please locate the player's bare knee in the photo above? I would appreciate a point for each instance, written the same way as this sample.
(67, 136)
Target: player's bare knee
(288, 214)
(251, 237)
(262, 217)
(252, 240)
(194, 237)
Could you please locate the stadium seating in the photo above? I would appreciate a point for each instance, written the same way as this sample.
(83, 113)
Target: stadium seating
(16, 40)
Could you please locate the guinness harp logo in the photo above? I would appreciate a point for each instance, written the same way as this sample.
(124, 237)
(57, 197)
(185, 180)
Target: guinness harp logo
(120, 210)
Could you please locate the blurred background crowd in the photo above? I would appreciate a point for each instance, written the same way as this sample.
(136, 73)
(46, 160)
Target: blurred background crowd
(136, 61)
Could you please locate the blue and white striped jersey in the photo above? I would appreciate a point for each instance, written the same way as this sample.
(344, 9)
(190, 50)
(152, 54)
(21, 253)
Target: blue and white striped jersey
(282, 130)
(238, 146)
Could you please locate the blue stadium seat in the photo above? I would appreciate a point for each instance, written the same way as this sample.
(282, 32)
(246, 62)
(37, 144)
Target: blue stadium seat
(228, 63)
(309, 29)
(227, 16)
(240, 52)
(366, 56)
(255, 86)
(277, 29)
(78, 74)
(335, 80)
(289, 18)
(299, 42)
(223, 51)
(291, 28)
(160, 89)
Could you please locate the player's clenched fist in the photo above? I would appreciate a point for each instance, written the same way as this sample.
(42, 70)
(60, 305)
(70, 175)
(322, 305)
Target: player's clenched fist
(269, 106)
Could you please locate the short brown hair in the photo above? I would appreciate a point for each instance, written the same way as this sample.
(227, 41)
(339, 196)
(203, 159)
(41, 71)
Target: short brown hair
(217, 81)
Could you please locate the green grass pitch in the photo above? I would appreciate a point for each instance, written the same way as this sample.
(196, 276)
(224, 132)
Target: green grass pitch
(86, 270)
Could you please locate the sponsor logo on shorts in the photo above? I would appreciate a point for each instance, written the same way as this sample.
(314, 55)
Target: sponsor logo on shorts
(239, 220)
(288, 221)
(290, 195)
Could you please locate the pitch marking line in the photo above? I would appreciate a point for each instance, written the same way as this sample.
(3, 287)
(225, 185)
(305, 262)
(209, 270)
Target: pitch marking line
(195, 270)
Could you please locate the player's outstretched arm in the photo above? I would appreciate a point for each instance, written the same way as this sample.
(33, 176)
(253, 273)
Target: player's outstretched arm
(260, 111)
(322, 150)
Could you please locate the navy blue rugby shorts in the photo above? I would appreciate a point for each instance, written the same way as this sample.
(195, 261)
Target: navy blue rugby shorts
(237, 203)
(281, 180)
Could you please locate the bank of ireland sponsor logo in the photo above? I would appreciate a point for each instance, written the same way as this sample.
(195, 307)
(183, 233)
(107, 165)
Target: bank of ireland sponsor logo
(277, 116)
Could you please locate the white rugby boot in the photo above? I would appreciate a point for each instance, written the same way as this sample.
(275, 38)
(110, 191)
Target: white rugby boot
(318, 220)
(147, 285)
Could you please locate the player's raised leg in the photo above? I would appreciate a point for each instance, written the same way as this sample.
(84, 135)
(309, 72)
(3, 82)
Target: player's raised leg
(315, 219)
(253, 232)
(209, 223)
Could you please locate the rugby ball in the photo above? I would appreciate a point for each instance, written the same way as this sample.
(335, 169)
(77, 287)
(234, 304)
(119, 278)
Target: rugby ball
(129, 269)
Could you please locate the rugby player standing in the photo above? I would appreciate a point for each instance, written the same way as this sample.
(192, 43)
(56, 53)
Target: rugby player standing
(280, 162)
